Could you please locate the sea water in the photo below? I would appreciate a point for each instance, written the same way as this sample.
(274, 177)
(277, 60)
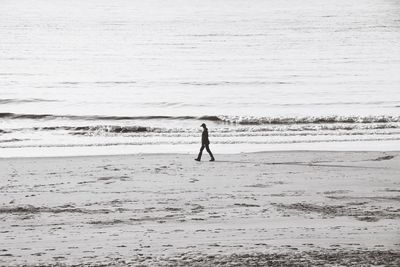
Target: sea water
(112, 77)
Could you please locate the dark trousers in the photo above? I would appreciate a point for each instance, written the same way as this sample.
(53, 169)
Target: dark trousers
(206, 146)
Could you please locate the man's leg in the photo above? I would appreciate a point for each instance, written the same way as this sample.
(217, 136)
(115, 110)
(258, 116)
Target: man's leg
(209, 152)
(200, 153)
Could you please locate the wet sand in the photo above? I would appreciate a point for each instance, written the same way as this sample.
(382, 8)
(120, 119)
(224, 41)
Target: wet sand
(271, 208)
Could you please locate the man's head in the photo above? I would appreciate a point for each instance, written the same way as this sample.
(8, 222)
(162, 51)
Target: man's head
(203, 125)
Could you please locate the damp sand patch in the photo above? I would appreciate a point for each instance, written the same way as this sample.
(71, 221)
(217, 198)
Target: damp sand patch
(356, 211)
(322, 257)
(29, 209)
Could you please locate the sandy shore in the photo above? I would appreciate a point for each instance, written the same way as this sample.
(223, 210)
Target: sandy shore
(273, 208)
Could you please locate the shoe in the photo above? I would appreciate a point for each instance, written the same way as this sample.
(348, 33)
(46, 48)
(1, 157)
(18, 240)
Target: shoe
(197, 159)
(212, 159)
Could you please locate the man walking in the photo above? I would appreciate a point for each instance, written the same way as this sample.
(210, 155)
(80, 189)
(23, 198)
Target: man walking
(205, 144)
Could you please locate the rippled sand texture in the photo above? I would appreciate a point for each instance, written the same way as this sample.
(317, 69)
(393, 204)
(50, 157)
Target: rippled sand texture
(264, 208)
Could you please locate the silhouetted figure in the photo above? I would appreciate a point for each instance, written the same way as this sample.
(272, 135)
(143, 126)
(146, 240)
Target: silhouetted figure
(205, 144)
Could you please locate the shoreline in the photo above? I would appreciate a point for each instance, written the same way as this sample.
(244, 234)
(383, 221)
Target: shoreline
(194, 153)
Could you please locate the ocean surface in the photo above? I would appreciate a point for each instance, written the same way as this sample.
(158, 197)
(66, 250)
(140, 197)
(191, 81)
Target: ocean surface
(112, 77)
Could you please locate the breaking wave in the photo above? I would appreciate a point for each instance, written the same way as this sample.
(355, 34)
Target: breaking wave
(246, 130)
(100, 128)
(243, 120)
(309, 120)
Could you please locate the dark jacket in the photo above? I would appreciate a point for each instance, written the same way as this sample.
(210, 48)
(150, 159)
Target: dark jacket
(204, 137)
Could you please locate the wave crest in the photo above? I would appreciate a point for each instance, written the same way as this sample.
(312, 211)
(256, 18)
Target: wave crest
(250, 120)
(29, 100)
(87, 130)
(243, 120)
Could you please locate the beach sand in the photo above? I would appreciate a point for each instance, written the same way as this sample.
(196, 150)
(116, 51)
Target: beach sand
(256, 209)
